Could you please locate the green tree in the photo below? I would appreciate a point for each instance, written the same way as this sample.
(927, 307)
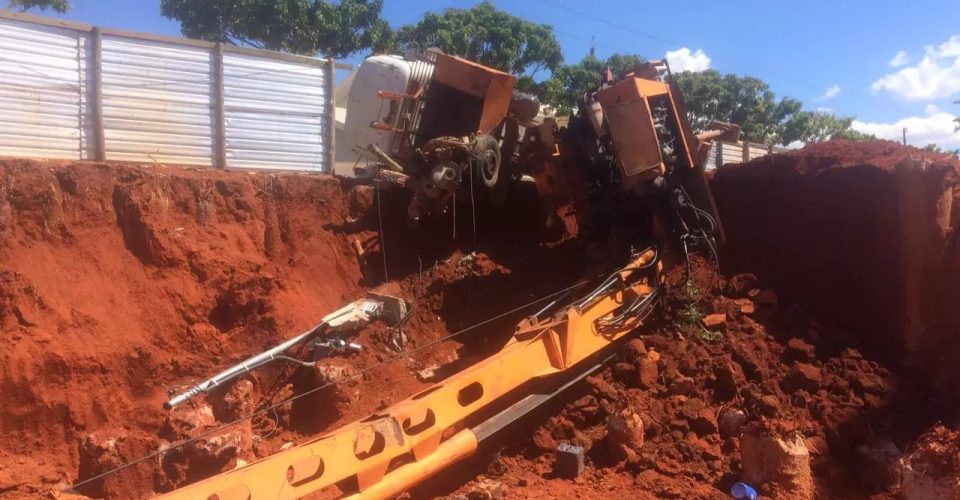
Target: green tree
(299, 26)
(570, 82)
(817, 126)
(746, 101)
(488, 36)
(750, 103)
(60, 6)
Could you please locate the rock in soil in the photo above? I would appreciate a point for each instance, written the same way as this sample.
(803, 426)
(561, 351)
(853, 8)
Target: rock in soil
(730, 422)
(648, 370)
(784, 462)
(712, 320)
(802, 376)
(624, 434)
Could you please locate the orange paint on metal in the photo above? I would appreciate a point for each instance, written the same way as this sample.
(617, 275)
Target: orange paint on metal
(364, 449)
(493, 86)
(462, 445)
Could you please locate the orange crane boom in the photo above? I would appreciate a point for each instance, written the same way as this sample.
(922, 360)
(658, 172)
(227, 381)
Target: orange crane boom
(390, 451)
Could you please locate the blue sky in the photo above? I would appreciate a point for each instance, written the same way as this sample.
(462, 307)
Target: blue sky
(835, 55)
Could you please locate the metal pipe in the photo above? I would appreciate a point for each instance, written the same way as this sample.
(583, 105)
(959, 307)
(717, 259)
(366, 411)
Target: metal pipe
(390, 163)
(243, 367)
(461, 445)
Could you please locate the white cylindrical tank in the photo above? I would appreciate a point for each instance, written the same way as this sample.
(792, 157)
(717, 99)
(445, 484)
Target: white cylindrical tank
(365, 106)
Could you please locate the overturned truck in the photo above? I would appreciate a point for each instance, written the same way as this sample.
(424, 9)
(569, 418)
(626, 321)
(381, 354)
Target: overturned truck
(626, 171)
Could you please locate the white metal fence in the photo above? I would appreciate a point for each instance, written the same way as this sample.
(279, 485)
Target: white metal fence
(75, 91)
(722, 153)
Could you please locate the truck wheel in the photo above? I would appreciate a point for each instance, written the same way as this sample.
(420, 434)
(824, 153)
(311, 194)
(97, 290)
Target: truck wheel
(486, 162)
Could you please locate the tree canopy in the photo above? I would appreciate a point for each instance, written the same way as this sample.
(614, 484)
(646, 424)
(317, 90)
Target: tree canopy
(60, 6)
(298, 26)
(746, 101)
(569, 82)
(488, 36)
(750, 103)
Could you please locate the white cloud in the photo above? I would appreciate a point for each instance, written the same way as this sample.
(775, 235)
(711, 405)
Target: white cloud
(931, 109)
(921, 130)
(824, 109)
(900, 59)
(937, 75)
(686, 60)
(831, 92)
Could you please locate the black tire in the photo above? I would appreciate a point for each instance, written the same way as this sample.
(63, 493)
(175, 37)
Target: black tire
(486, 160)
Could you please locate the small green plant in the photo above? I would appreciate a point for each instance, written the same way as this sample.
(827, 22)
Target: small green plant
(692, 314)
(709, 335)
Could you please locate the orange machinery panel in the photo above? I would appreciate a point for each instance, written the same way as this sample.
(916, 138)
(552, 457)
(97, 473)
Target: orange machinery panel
(494, 86)
(634, 138)
(628, 115)
(631, 88)
(626, 106)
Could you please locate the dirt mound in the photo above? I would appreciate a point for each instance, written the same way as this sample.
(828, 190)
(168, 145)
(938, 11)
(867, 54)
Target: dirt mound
(120, 282)
(862, 233)
(715, 404)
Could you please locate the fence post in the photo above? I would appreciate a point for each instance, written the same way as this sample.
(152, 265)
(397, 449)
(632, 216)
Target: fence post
(329, 77)
(746, 152)
(719, 161)
(96, 95)
(219, 111)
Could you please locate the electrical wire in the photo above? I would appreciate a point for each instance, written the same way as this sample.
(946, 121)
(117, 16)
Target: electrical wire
(383, 243)
(356, 375)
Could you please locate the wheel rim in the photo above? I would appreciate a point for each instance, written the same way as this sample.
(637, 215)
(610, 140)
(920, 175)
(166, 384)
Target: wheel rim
(488, 165)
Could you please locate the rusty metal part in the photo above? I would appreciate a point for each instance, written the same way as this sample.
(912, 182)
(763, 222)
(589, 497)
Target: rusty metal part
(494, 87)
(416, 427)
(349, 317)
(390, 163)
(721, 131)
(393, 177)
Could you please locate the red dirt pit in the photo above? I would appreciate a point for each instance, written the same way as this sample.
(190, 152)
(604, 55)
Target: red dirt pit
(823, 373)
(119, 282)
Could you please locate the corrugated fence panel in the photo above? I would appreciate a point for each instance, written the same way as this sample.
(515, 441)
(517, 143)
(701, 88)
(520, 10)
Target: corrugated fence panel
(157, 102)
(276, 113)
(756, 151)
(159, 99)
(711, 162)
(42, 91)
(731, 152)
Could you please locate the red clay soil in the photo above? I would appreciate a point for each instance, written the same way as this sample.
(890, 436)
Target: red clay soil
(864, 234)
(767, 370)
(854, 354)
(118, 282)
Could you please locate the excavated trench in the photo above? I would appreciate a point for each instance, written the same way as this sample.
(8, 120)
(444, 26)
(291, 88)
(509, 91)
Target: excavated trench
(833, 358)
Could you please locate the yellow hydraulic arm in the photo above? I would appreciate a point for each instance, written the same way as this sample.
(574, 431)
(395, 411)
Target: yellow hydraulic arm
(389, 452)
